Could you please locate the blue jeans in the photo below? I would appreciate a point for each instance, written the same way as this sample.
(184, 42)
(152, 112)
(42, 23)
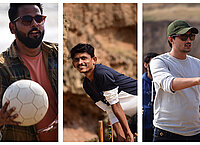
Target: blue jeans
(166, 136)
(147, 134)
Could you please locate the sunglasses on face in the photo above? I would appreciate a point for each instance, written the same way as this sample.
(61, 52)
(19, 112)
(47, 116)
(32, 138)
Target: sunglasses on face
(184, 37)
(27, 19)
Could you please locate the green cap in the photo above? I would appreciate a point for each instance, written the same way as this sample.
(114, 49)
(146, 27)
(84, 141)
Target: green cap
(180, 27)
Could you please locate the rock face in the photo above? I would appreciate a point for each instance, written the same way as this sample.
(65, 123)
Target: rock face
(111, 29)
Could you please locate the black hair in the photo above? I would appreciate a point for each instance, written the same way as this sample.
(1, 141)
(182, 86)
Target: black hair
(173, 37)
(13, 10)
(81, 48)
(170, 45)
(149, 56)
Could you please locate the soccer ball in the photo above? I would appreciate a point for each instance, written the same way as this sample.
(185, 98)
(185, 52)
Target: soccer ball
(30, 100)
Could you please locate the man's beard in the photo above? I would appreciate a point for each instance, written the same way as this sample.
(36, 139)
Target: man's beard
(27, 41)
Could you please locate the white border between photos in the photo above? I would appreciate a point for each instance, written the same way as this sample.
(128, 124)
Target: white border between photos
(60, 72)
(140, 64)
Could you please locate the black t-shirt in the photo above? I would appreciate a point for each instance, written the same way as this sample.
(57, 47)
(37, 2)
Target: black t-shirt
(105, 78)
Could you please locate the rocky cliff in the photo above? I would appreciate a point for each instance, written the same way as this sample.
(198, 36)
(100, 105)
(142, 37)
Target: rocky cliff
(112, 30)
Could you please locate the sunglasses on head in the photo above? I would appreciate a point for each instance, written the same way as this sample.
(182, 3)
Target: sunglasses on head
(27, 19)
(184, 37)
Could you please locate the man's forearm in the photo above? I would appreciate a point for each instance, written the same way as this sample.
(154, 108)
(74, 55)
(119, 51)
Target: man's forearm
(182, 83)
(117, 109)
(119, 131)
(119, 113)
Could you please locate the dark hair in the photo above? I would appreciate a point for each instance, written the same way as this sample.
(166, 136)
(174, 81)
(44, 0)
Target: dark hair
(81, 48)
(173, 37)
(149, 56)
(13, 10)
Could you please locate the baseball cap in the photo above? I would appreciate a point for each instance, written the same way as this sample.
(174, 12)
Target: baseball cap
(180, 27)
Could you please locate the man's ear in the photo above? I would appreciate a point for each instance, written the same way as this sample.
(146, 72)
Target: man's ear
(94, 59)
(12, 27)
(170, 39)
(145, 65)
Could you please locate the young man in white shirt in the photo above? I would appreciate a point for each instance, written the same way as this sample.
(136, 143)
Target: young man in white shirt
(176, 77)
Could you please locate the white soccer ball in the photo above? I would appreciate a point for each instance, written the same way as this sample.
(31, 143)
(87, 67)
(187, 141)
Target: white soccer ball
(30, 100)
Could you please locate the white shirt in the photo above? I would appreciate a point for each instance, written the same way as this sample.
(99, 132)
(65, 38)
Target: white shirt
(127, 101)
(177, 112)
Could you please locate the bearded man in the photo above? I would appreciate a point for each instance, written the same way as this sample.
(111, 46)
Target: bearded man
(29, 58)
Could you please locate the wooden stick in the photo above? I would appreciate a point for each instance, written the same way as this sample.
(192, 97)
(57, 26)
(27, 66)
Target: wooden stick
(110, 132)
(100, 125)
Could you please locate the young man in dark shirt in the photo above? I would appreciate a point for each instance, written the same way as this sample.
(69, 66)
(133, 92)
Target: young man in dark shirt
(111, 91)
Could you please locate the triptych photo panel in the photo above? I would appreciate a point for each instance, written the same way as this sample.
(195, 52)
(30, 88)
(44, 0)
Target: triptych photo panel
(74, 72)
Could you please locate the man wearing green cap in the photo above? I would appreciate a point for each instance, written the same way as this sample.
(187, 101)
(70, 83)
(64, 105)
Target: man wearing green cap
(176, 77)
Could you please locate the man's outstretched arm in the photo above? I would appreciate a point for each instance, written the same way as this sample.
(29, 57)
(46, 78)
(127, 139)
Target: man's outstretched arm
(182, 83)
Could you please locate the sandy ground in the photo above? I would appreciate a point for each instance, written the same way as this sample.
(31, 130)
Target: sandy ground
(77, 135)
